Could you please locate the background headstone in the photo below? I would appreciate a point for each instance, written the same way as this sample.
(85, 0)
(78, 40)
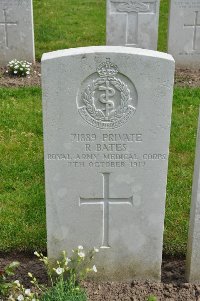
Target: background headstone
(193, 253)
(16, 31)
(133, 23)
(184, 33)
(107, 114)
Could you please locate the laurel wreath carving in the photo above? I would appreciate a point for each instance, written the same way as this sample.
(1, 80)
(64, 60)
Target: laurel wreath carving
(88, 98)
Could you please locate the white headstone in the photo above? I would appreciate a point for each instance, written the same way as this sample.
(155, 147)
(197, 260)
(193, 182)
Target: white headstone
(16, 31)
(193, 253)
(107, 113)
(184, 32)
(133, 23)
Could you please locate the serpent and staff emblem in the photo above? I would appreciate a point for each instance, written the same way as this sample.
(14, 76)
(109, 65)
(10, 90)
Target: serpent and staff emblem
(107, 98)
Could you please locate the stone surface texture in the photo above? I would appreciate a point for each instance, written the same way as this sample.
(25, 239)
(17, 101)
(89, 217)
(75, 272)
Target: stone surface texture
(107, 116)
(193, 253)
(133, 23)
(16, 31)
(184, 33)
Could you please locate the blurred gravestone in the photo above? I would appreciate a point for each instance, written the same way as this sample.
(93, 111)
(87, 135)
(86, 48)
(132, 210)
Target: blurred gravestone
(107, 115)
(184, 33)
(133, 23)
(16, 31)
(193, 254)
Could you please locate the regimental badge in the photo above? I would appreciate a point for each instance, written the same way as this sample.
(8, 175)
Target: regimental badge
(107, 98)
(131, 6)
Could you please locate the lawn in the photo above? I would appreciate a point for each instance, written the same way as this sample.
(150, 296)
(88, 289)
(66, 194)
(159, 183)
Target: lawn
(22, 208)
(75, 23)
(22, 200)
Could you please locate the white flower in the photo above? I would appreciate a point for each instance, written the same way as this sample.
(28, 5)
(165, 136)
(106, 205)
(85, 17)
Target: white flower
(15, 72)
(59, 271)
(94, 268)
(67, 261)
(27, 292)
(16, 67)
(96, 250)
(17, 282)
(27, 72)
(81, 254)
(80, 247)
(20, 298)
(36, 254)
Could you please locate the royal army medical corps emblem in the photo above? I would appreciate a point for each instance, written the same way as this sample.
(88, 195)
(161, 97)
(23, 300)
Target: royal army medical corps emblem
(107, 98)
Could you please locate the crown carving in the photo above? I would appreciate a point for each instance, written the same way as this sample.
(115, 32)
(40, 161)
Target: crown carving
(107, 69)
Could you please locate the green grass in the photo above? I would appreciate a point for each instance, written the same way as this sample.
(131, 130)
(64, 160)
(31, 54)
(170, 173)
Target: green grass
(63, 292)
(152, 298)
(22, 204)
(163, 25)
(181, 163)
(61, 24)
(22, 209)
(68, 24)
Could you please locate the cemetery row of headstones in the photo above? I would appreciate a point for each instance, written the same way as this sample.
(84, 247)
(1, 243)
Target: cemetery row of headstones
(132, 23)
(107, 119)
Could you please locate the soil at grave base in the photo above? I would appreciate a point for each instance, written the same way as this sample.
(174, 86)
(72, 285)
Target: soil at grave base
(34, 79)
(183, 78)
(173, 286)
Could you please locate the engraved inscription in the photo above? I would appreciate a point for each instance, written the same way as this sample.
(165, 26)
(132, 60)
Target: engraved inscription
(106, 201)
(195, 26)
(106, 150)
(107, 98)
(107, 160)
(191, 4)
(6, 25)
(132, 9)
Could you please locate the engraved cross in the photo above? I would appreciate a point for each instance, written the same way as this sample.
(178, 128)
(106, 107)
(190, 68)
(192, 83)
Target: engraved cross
(195, 26)
(132, 9)
(6, 23)
(106, 201)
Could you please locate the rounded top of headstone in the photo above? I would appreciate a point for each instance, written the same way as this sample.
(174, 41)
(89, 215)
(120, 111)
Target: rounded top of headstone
(106, 49)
